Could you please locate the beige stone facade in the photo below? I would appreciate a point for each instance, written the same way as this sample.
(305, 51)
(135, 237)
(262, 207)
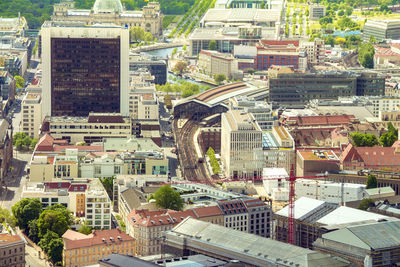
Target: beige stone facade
(12, 250)
(150, 18)
(83, 250)
(31, 114)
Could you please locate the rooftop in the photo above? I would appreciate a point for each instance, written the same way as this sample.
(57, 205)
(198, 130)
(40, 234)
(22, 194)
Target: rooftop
(371, 156)
(373, 236)
(304, 206)
(319, 120)
(247, 248)
(7, 239)
(282, 133)
(239, 120)
(269, 141)
(98, 237)
(323, 155)
(119, 260)
(241, 15)
(346, 215)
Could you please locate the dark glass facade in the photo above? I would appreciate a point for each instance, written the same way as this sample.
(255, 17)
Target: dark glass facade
(85, 76)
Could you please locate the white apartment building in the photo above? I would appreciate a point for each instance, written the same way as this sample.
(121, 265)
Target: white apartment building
(329, 191)
(31, 107)
(276, 185)
(107, 165)
(241, 144)
(47, 197)
(98, 206)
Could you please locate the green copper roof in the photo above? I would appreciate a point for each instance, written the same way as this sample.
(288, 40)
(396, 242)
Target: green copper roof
(107, 6)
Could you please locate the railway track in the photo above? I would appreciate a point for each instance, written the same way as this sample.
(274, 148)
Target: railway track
(192, 169)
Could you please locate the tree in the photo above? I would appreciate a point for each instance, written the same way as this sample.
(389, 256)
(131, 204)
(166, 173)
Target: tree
(346, 22)
(325, 20)
(219, 78)
(33, 143)
(387, 139)
(340, 41)
(167, 198)
(45, 240)
(148, 37)
(33, 233)
(52, 220)
(212, 45)
(366, 55)
(180, 66)
(372, 182)
(366, 203)
(392, 129)
(25, 210)
(22, 141)
(85, 229)
(55, 250)
(6, 216)
(66, 212)
(137, 34)
(364, 140)
(213, 160)
(53, 245)
(287, 29)
(330, 40)
(19, 81)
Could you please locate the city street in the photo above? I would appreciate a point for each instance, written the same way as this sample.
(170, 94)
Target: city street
(15, 181)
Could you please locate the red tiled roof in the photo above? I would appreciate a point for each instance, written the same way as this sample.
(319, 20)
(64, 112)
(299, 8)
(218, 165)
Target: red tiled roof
(372, 156)
(45, 143)
(169, 217)
(322, 120)
(96, 238)
(396, 45)
(208, 211)
(6, 239)
(381, 51)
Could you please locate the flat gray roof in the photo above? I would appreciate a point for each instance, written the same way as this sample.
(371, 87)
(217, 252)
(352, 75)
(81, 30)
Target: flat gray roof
(374, 236)
(247, 248)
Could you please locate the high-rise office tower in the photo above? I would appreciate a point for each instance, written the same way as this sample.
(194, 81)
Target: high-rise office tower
(85, 69)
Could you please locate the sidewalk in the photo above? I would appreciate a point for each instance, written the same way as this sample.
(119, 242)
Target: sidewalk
(32, 252)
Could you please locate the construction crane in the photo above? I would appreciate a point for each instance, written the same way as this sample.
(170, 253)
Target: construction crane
(292, 194)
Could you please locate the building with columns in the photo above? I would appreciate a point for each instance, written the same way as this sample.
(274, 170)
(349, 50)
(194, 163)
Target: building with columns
(111, 11)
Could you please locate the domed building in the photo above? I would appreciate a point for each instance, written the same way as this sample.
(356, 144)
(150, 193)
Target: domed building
(111, 11)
